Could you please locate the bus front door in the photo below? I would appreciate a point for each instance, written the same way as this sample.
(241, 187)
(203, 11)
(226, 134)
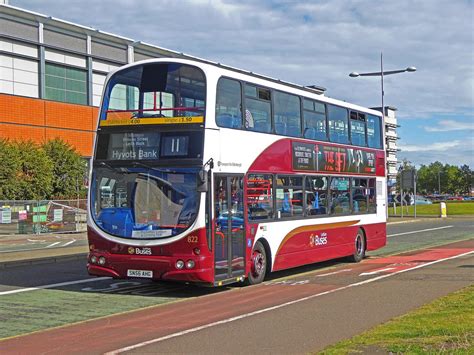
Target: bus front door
(229, 240)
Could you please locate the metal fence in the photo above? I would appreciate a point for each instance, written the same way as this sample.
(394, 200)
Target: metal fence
(46, 216)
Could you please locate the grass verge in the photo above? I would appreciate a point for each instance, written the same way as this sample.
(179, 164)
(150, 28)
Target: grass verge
(443, 326)
(453, 209)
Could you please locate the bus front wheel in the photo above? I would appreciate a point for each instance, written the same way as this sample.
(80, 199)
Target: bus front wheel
(359, 244)
(259, 264)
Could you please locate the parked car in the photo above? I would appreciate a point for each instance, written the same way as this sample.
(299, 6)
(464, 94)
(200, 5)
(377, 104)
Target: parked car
(420, 200)
(455, 198)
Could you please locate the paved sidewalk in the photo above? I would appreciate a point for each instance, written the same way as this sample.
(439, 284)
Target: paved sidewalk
(37, 254)
(21, 249)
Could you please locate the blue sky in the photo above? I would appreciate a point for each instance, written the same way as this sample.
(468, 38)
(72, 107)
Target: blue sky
(321, 42)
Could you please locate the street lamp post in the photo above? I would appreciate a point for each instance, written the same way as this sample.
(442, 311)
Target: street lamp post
(382, 73)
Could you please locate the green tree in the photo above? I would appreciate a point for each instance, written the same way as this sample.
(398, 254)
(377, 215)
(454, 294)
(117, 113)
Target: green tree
(35, 173)
(453, 177)
(425, 180)
(467, 179)
(68, 169)
(9, 166)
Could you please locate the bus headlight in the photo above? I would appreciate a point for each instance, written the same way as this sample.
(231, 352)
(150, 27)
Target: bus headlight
(179, 264)
(94, 259)
(190, 264)
(101, 260)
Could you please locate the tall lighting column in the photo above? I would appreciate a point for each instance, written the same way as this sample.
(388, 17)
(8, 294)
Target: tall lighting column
(382, 73)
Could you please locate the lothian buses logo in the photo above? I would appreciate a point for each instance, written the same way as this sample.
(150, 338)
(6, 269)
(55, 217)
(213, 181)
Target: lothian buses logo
(316, 240)
(139, 251)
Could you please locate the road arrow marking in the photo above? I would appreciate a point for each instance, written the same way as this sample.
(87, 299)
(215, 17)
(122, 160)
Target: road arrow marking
(334, 273)
(52, 245)
(377, 271)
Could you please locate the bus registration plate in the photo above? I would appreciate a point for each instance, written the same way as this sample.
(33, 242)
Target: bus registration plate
(140, 273)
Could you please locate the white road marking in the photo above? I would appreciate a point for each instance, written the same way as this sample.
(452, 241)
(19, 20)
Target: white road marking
(246, 315)
(377, 271)
(36, 240)
(52, 285)
(69, 243)
(418, 231)
(334, 273)
(52, 245)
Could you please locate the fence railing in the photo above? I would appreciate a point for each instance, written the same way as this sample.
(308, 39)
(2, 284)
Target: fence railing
(44, 216)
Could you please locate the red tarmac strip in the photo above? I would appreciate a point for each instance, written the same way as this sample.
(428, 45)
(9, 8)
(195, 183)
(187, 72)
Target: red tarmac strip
(115, 332)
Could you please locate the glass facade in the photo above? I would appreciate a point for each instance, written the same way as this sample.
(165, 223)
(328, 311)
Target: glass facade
(65, 84)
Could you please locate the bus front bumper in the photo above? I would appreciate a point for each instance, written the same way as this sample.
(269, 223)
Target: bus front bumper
(121, 266)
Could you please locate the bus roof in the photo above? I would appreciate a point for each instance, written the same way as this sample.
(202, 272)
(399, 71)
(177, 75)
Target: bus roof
(311, 92)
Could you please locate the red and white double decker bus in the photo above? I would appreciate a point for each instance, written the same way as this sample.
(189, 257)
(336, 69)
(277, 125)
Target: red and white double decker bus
(208, 174)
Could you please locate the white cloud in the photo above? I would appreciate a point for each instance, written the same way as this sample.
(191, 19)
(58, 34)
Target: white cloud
(432, 147)
(457, 152)
(314, 42)
(450, 125)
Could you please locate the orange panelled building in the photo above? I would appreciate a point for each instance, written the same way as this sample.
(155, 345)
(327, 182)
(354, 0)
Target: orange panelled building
(52, 73)
(23, 118)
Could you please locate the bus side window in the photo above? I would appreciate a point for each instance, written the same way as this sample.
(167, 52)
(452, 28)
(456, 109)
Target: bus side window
(287, 114)
(314, 115)
(316, 191)
(288, 196)
(338, 124)
(228, 104)
(260, 197)
(258, 109)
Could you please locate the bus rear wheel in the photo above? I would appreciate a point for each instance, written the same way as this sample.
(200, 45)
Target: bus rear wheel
(359, 244)
(258, 267)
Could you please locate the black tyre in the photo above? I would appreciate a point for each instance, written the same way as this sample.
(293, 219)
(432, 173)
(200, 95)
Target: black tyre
(258, 269)
(359, 252)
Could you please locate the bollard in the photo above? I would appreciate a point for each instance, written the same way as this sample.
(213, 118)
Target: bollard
(443, 212)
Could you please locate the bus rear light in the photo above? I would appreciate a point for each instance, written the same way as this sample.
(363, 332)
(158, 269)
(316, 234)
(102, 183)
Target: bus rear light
(94, 259)
(197, 251)
(101, 260)
(190, 264)
(179, 264)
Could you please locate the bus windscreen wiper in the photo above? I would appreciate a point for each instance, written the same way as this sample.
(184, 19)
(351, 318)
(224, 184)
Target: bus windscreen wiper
(110, 167)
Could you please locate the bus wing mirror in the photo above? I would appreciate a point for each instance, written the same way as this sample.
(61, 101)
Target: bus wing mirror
(202, 181)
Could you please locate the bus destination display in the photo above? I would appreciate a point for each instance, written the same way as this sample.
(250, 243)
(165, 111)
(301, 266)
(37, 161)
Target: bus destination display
(133, 146)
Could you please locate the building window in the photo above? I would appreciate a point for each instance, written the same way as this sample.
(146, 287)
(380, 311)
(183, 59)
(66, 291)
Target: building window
(18, 76)
(65, 84)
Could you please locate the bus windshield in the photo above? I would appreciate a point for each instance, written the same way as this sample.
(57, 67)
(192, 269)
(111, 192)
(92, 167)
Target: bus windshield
(155, 90)
(143, 202)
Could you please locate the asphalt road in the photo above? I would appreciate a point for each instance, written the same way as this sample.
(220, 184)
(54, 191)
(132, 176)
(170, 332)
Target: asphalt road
(402, 237)
(69, 295)
(304, 314)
